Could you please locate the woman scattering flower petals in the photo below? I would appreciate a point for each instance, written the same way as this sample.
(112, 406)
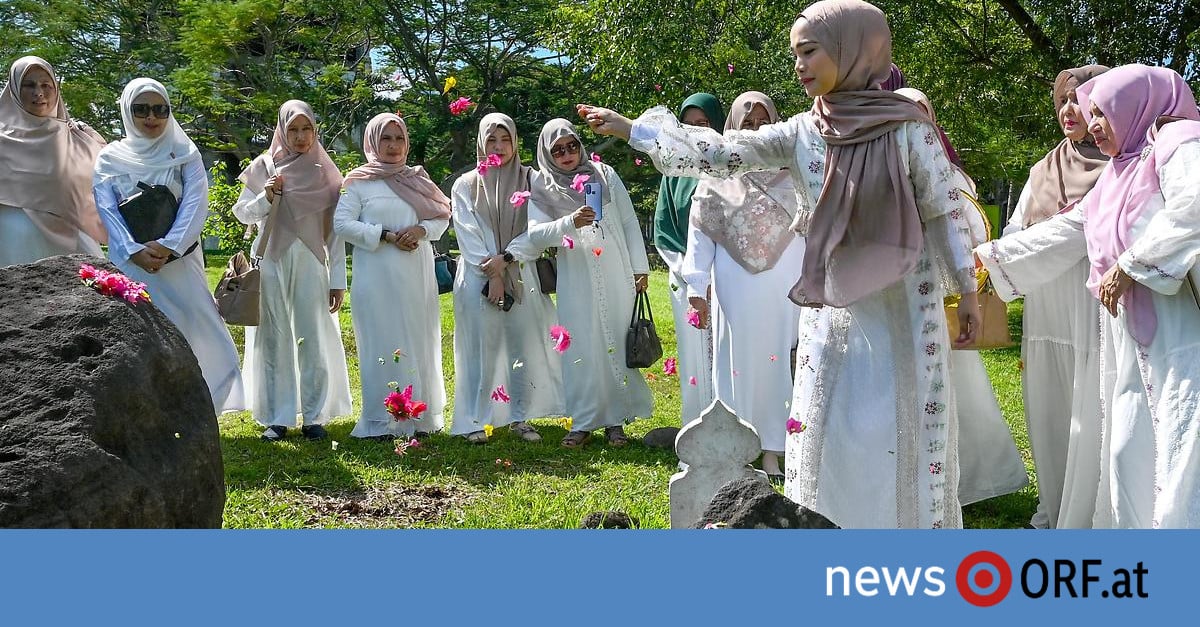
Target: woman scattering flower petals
(460, 106)
(518, 198)
(562, 338)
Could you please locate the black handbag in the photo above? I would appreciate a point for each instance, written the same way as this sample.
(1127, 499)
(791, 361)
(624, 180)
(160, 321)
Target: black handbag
(150, 214)
(547, 274)
(444, 268)
(642, 346)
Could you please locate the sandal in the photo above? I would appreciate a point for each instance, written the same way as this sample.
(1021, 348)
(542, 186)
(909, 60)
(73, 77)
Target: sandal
(616, 436)
(575, 439)
(477, 437)
(525, 431)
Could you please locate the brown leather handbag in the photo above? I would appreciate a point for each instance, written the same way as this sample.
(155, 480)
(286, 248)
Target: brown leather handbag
(993, 332)
(237, 293)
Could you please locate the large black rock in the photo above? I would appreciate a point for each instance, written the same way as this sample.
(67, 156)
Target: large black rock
(750, 503)
(105, 419)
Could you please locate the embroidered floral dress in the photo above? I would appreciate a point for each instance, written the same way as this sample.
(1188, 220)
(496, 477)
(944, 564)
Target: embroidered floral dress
(879, 443)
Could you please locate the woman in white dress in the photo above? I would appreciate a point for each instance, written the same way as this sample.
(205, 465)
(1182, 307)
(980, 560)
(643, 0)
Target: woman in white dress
(390, 212)
(1140, 229)
(46, 165)
(1060, 341)
(873, 442)
(156, 151)
(601, 266)
(694, 346)
(989, 463)
(740, 242)
(295, 362)
(505, 370)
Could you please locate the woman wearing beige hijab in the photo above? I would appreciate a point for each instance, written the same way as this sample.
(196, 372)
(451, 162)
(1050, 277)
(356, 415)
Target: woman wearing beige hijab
(295, 361)
(741, 243)
(390, 212)
(46, 163)
(505, 371)
(872, 437)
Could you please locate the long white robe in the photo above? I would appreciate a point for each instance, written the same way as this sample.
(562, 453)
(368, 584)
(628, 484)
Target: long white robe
(595, 304)
(1060, 350)
(492, 347)
(693, 347)
(754, 326)
(180, 288)
(21, 241)
(1150, 461)
(394, 303)
(879, 445)
(295, 363)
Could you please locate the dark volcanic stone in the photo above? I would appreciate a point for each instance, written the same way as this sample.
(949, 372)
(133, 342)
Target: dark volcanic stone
(750, 503)
(105, 419)
(662, 437)
(608, 520)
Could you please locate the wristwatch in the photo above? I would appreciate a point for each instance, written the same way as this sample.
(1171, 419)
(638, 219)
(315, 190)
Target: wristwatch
(383, 235)
(508, 257)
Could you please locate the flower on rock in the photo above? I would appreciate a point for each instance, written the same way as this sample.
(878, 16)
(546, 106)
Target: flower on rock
(460, 106)
(670, 366)
(561, 337)
(578, 181)
(518, 198)
(113, 284)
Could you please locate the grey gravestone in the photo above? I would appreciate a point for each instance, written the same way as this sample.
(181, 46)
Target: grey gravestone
(717, 448)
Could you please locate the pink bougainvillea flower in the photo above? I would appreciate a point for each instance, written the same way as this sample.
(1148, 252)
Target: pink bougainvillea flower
(692, 380)
(657, 87)
(638, 161)
(597, 251)
(693, 318)
(491, 161)
(773, 357)
(730, 66)
(595, 158)
(402, 406)
(561, 337)
(568, 242)
(578, 181)
(113, 284)
(795, 426)
(394, 404)
(87, 271)
(460, 106)
(414, 443)
(670, 366)
(518, 198)
(499, 395)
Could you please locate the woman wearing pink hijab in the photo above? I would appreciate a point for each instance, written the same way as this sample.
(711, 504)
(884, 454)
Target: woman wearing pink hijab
(291, 191)
(46, 163)
(872, 437)
(390, 212)
(1139, 227)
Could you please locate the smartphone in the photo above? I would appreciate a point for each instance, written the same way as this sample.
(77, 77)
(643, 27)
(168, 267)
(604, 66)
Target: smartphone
(593, 198)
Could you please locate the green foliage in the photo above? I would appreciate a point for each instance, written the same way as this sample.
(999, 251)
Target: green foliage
(221, 223)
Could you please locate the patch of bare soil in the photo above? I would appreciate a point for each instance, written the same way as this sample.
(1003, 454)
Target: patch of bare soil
(389, 506)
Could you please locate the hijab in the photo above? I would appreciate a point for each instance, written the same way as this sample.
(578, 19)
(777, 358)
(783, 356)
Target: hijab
(866, 231)
(1133, 98)
(1069, 171)
(492, 192)
(552, 190)
(46, 164)
(895, 79)
(311, 186)
(412, 184)
(748, 215)
(675, 192)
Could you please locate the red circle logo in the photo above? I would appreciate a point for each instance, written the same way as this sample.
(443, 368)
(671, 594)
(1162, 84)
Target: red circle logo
(983, 563)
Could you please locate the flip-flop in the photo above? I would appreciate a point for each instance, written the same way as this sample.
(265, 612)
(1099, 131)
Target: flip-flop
(576, 439)
(616, 436)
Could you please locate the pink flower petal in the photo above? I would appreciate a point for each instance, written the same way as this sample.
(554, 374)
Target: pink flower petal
(795, 426)
(518, 198)
(578, 181)
(568, 242)
(693, 318)
(670, 366)
(638, 161)
(595, 158)
(692, 380)
(773, 357)
(499, 395)
(460, 106)
(561, 337)
(730, 66)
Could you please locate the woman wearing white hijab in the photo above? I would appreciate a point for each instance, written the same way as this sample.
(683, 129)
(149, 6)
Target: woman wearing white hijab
(156, 151)
(295, 362)
(46, 165)
(600, 269)
(391, 212)
(741, 243)
(505, 371)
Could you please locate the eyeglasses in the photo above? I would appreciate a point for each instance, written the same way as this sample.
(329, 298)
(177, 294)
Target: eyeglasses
(572, 148)
(160, 111)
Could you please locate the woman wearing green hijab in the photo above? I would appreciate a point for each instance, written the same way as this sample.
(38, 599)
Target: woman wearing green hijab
(670, 238)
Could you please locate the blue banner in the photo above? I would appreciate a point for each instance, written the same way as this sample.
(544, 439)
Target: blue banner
(565, 578)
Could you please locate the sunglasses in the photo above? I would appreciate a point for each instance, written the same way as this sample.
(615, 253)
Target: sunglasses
(572, 148)
(160, 111)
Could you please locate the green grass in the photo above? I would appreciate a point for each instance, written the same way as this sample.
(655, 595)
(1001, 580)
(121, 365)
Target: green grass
(506, 483)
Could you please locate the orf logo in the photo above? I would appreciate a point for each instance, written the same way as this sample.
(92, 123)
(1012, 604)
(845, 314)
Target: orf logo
(983, 578)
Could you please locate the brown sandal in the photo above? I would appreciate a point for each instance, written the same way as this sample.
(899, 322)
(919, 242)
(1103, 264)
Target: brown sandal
(616, 436)
(575, 439)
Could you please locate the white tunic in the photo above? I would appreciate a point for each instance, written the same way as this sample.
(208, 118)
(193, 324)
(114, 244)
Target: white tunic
(394, 302)
(295, 363)
(1150, 461)
(754, 326)
(21, 241)
(1060, 350)
(492, 347)
(879, 447)
(180, 288)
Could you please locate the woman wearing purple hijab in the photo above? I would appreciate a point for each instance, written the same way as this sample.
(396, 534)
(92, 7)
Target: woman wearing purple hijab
(1139, 227)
